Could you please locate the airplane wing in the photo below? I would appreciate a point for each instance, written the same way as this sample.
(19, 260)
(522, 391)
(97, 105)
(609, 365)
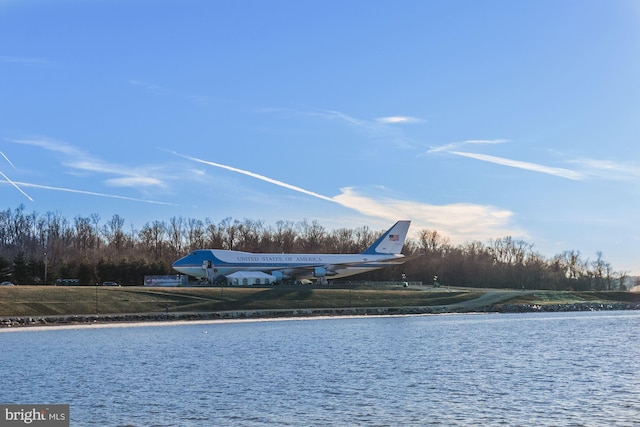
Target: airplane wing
(328, 270)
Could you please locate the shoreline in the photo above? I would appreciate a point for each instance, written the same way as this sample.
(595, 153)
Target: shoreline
(22, 322)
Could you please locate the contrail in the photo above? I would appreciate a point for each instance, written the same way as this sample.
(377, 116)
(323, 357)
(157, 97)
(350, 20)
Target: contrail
(9, 180)
(257, 176)
(16, 186)
(560, 172)
(89, 193)
(7, 159)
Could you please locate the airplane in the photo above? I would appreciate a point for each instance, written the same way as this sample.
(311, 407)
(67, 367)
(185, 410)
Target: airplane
(212, 264)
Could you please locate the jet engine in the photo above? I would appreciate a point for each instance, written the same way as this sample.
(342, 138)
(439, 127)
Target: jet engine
(319, 272)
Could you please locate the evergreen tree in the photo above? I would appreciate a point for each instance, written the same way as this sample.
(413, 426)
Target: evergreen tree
(21, 270)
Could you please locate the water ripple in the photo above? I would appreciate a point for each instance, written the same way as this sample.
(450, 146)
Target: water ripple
(563, 369)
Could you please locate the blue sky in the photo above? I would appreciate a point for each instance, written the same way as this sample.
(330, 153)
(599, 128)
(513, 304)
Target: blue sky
(478, 119)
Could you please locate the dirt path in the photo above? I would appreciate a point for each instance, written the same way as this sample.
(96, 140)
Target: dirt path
(489, 298)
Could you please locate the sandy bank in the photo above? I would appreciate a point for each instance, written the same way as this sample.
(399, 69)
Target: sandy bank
(17, 322)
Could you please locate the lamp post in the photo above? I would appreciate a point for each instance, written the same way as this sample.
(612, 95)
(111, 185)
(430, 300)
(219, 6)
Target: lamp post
(45, 268)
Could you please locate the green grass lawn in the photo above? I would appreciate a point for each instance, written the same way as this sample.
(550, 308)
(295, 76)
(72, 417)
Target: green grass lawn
(19, 301)
(570, 297)
(50, 300)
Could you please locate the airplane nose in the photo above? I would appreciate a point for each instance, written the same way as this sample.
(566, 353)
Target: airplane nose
(181, 268)
(182, 262)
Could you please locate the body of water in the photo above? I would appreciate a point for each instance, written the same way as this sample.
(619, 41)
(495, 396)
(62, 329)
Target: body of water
(560, 369)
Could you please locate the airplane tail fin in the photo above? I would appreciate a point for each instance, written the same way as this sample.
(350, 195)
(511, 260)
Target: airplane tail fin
(391, 242)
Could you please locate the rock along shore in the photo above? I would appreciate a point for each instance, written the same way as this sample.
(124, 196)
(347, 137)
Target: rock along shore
(10, 322)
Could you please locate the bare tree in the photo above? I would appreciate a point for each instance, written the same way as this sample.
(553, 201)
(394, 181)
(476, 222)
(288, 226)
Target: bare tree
(284, 236)
(195, 234)
(573, 266)
(229, 233)
(72, 251)
(432, 242)
(59, 237)
(113, 232)
(175, 232)
(249, 232)
(152, 238)
(364, 237)
(313, 235)
(341, 241)
(84, 238)
(95, 220)
(213, 235)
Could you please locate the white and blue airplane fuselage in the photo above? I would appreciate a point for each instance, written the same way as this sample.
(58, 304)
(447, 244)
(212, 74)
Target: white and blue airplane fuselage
(213, 263)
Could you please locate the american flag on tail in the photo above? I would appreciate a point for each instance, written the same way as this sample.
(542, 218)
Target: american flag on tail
(394, 237)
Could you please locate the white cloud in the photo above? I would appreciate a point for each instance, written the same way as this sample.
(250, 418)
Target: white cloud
(134, 181)
(453, 145)
(378, 129)
(94, 166)
(89, 193)
(461, 222)
(80, 161)
(607, 169)
(398, 119)
(332, 114)
(51, 145)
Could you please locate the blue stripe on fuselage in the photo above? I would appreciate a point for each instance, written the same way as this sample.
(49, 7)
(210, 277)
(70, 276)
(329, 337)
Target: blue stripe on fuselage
(249, 260)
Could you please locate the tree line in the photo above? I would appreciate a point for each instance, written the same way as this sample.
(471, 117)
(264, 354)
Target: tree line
(39, 248)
